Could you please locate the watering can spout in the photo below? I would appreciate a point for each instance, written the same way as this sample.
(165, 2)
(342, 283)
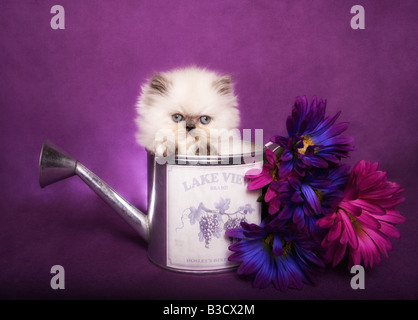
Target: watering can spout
(55, 165)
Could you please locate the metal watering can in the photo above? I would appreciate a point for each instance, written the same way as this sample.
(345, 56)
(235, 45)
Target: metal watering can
(192, 201)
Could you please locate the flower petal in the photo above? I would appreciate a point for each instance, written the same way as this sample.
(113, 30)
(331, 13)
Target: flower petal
(349, 231)
(253, 173)
(259, 182)
(271, 157)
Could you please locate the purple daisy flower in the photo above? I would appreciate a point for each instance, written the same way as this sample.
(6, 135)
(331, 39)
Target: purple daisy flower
(313, 141)
(305, 199)
(272, 255)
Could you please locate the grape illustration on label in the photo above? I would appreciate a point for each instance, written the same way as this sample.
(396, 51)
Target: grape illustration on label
(211, 220)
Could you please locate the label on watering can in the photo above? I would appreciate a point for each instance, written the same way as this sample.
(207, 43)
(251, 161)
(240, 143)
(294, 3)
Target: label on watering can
(202, 203)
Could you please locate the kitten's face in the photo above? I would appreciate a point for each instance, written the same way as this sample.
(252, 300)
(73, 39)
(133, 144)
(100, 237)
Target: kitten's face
(191, 102)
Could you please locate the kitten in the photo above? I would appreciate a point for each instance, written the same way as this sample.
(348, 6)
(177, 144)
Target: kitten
(184, 110)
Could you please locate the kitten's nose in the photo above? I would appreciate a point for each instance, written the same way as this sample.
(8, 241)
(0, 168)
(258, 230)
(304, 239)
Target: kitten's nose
(190, 128)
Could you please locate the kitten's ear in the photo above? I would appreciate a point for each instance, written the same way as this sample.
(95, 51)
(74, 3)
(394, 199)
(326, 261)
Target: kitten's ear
(159, 84)
(223, 85)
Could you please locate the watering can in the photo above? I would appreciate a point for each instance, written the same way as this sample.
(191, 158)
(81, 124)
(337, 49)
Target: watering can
(192, 201)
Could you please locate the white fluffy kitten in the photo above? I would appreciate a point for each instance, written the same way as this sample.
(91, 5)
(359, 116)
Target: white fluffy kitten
(183, 110)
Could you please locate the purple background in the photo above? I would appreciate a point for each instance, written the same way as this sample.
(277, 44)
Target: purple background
(78, 87)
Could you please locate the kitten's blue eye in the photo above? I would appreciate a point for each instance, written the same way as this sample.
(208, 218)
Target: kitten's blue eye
(177, 117)
(205, 119)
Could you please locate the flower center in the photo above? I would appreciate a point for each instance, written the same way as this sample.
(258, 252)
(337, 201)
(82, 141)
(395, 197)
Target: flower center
(273, 173)
(269, 240)
(318, 194)
(354, 221)
(287, 246)
(307, 141)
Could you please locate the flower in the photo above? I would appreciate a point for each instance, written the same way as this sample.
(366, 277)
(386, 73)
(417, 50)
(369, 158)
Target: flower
(315, 205)
(313, 140)
(271, 254)
(305, 199)
(265, 177)
(364, 219)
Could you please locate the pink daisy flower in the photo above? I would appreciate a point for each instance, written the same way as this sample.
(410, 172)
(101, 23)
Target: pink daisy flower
(260, 179)
(365, 218)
